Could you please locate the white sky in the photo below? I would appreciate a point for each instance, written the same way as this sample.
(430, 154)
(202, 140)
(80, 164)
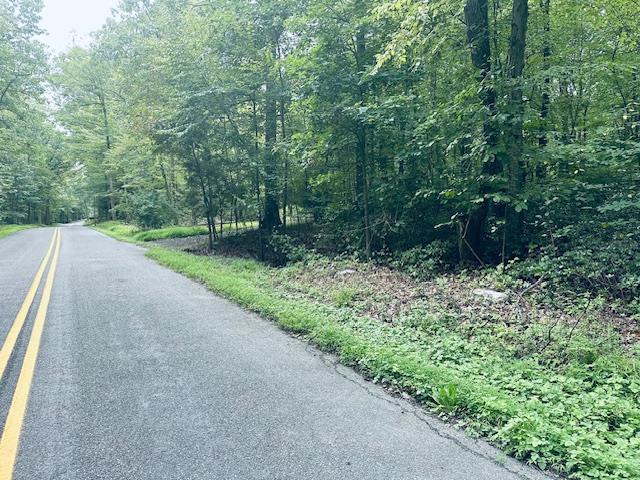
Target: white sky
(71, 21)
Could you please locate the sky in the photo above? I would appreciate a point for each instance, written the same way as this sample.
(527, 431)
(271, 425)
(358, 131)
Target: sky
(71, 21)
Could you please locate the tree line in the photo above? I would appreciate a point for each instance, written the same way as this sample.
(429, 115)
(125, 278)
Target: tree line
(36, 184)
(497, 128)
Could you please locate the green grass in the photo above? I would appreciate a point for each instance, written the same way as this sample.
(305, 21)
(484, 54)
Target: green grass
(118, 230)
(6, 230)
(170, 232)
(131, 233)
(582, 419)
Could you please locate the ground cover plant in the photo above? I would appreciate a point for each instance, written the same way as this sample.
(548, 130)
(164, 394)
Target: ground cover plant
(555, 383)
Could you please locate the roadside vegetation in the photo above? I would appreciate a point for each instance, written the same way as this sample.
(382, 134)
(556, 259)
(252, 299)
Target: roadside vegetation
(6, 230)
(129, 232)
(552, 380)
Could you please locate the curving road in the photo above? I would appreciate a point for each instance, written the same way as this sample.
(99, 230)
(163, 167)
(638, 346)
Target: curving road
(141, 373)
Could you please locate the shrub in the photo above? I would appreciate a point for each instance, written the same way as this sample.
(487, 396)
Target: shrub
(148, 210)
(606, 263)
(424, 262)
(284, 249)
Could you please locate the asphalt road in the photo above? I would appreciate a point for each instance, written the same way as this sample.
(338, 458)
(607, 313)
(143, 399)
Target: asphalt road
(143, 374)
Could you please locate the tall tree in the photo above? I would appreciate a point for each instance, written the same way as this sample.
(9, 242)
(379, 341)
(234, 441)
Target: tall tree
(515, 138)
(472, 229)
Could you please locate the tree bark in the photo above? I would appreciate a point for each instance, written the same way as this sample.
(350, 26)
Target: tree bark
(545, 103)
(107, 134)
(362, 174)
(206, 199)
(473, 234)
(515, 138)
(271, 217)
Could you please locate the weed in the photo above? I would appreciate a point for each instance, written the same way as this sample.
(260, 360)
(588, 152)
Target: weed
(345, 296)
(446, 398)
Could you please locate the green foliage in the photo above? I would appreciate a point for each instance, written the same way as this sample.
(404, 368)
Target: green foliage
(172, 115)
(597, 256)
(148, 210)
(285, 249)
(133, 233)
(424, 262)
(345, 296)
(34, 174)
(446, 398)
(170, 232)
(118, 230)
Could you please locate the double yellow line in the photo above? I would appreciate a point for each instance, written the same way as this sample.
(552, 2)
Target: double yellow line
(15, 418)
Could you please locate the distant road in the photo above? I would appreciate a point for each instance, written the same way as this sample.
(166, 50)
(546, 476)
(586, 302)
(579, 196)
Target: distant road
(131, 371)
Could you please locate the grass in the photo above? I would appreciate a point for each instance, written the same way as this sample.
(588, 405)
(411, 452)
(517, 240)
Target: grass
(118, 230)
(171, 232)
(131, 233)
(6, 230)
(580, 417)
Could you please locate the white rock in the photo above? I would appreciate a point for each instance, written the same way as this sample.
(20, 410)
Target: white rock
(490, 294)
(346, 272)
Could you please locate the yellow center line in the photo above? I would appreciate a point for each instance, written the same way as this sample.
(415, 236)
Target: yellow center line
(15, 418)
(18, 323)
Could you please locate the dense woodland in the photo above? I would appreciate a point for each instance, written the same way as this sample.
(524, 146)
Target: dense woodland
(480, 130)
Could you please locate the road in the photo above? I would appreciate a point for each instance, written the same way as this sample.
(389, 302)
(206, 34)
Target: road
(140, 373)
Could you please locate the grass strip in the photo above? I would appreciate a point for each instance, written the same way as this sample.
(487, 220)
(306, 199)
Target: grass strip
(6, 230)
(131, 233)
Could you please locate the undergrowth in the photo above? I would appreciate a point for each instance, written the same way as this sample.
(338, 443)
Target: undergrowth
(170, 232)
(132, 233)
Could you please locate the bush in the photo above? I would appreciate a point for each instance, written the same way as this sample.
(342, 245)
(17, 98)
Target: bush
(284, 249)
(424, 262)
(608, 263)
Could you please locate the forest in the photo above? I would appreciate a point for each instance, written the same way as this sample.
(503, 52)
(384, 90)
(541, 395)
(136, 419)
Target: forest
(496, 129)
(429, 136)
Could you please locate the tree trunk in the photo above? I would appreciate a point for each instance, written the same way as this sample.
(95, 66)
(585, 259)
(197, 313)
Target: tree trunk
(362, 175)
(545, 103)
(206, 199)
(515, 138)
(107, 134)
(271, 217)
(285, 188)
(473, 234)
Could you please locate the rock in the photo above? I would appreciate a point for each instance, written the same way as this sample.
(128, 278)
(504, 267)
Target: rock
(346, 272)
(491, 295)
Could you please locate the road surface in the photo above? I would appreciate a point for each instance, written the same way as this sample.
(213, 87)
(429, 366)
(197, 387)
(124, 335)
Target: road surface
(126, 370)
